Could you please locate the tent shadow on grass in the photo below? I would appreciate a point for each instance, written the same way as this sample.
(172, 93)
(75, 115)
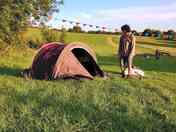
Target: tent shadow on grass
(8, 71)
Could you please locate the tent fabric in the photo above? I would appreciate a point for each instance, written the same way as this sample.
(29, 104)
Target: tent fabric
(45, 60)
(56, 60)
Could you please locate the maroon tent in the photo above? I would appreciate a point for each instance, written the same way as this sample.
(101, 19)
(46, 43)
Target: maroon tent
(56, 60)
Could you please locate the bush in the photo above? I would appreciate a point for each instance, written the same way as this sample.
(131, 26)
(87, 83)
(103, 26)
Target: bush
(2, 45)
(147, 33)
(62, 36)
(49, 35)
(77, 29)
(33, 44)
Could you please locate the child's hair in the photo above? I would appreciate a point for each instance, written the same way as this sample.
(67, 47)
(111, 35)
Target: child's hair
(126, 28)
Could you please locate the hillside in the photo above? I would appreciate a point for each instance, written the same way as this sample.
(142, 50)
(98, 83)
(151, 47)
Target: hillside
(115, 104)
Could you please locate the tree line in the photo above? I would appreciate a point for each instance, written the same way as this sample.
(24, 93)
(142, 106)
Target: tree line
(169, 35)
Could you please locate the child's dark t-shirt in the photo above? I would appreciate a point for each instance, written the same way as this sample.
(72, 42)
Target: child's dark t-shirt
(126, 47)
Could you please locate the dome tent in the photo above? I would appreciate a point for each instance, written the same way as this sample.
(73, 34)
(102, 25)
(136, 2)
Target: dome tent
(59, 61)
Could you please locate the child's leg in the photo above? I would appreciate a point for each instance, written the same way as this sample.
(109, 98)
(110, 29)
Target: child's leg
(130, 63)
(122, 64)
(125, 61)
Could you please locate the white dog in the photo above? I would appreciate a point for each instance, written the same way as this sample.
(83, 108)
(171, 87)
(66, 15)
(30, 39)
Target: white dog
(135, 72)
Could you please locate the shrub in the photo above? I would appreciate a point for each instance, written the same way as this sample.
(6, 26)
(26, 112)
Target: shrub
(49, 35)
(33, 44)
(62, 36)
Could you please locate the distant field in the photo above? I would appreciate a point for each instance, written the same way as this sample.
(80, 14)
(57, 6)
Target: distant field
(112, 105)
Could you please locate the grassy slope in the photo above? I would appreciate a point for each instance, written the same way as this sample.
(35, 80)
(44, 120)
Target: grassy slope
(114, 104)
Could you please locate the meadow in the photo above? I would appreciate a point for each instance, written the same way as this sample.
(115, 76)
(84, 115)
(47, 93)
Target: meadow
(101, 105)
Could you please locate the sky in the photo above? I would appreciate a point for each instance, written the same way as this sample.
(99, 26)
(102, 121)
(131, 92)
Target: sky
(139, 14)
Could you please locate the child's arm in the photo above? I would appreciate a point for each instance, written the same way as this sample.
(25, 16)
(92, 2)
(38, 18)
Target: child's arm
(133, 50)
(120, 46)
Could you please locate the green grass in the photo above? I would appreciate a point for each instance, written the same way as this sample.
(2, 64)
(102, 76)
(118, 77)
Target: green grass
(112, 105)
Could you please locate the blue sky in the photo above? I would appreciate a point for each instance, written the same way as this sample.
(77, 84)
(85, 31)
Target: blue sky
(140, 14)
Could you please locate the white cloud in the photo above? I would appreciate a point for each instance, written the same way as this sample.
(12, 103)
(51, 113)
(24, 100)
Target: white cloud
(146, 13)
(139, 17)
(85, 15)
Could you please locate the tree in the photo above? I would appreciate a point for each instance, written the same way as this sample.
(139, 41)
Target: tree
(77, 29)
(14, 15)
(171, 34)
(135, 33)
(156, 33)
(63, 35)
(49, 35)
(147, 32)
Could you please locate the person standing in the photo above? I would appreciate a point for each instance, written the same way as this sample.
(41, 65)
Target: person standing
(126, 50)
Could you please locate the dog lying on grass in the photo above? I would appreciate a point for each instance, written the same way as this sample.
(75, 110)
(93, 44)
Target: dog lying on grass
(135, 73)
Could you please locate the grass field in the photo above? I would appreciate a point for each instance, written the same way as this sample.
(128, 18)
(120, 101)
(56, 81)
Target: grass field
(112, 105)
